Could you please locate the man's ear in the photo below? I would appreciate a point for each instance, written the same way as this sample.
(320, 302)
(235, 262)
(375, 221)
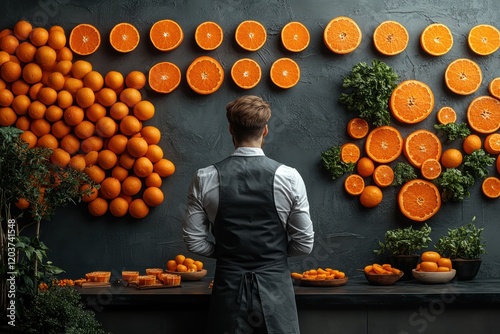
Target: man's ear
(266, 130)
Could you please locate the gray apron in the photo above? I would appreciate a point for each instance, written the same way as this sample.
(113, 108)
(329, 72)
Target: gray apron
(252, 290)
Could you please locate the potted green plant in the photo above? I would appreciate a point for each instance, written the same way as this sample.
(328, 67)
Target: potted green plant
(464, 245)
(31, 188)
(402, 244)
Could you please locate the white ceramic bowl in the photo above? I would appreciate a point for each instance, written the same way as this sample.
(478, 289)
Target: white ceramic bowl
(434, 277)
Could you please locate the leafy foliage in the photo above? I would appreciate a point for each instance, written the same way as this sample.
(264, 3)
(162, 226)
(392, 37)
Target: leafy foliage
(454, 185)
(28, 173)
(453, 130)
(334, 164)
(403, 172)
(405, 241)
(477, 163)
(369, 90)
(462, 242)
(60, 310)
(31, 248)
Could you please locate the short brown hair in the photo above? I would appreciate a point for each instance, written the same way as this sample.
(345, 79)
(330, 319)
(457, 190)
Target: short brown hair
(248, 115)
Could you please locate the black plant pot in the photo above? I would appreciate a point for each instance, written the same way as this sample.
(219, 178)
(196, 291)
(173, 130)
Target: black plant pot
(466, 269)
(406, 263)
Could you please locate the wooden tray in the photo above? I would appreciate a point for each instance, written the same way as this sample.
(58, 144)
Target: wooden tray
(322, 283)
(191, 276)
(86, 285)
(155, 286)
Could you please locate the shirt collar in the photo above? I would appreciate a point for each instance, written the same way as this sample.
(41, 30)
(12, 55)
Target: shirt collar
(248, 151)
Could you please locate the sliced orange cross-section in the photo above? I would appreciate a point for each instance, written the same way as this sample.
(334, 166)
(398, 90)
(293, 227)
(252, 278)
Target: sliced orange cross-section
(295, 36)
(124, 37)
(384, 144)
(209, 35)
(436, 39)
(390, 38)
(419, 200)
(246, 73)
(250, 35)
(484, 39)
(463, 76)
(483, 114)
(166, 35)
(205, 75)
(164, 77)
(446, 115)
(354, 184)
(421, 145)
(84, 39)
(285, 73)
(342, 35)
(411, 101)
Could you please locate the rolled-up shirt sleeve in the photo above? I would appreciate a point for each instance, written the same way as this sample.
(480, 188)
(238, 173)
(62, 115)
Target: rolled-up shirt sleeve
(196, 225)
(293, 208)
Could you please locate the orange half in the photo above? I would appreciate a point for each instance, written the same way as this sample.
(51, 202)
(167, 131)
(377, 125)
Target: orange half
(342, 35)
(411, 101)
(124, 37)
(205, 75)
(246, 73)
(84, 39)
(419, 200)
(484, 39)
(250, 35)
(166, 35)
(436, 39)
(390, 38)
(209, 35)
(463, 76)
(164, 77)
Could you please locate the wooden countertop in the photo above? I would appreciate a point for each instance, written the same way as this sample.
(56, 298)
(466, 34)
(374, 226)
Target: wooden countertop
(357, 292)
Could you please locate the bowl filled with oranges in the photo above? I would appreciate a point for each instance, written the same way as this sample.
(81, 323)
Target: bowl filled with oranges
(320, 277)
(382, 274)
(187, 268)
(433, 268)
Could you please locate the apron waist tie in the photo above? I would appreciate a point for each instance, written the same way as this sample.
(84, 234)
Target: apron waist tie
(248, 283)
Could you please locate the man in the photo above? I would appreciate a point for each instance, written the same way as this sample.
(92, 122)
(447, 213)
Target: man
(258, 212)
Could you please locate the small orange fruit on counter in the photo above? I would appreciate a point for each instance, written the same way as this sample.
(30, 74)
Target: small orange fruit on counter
(181, 263)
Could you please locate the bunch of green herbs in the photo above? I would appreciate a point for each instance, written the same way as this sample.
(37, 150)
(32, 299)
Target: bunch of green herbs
(369, 89)
(334, 164)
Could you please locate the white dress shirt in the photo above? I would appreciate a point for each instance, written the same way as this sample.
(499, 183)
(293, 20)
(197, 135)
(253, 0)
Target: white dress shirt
(291, 204)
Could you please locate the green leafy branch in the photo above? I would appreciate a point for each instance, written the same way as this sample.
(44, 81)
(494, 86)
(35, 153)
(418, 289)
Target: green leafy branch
(334, 164)
(369, 89)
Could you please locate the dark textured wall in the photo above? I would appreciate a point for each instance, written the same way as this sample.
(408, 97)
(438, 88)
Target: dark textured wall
(307, 120)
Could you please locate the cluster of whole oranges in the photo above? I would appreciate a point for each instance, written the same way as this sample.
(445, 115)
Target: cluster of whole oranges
(184, 264)
(92, 122)
(319, 274)
(56, 282)
(433, 261)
